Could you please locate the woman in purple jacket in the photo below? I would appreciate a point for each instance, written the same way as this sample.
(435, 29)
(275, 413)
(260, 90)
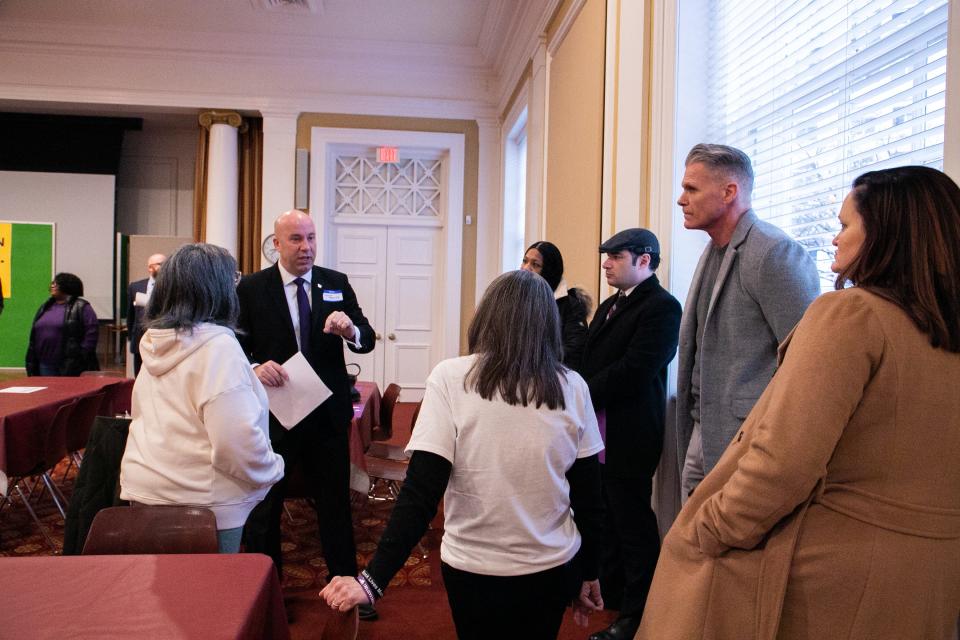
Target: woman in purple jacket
(63, 338)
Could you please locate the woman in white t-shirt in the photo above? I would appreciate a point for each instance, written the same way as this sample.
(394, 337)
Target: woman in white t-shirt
(508, 436)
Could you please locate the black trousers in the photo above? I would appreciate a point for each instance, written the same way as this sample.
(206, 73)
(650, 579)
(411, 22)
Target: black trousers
(631, 543)
(529, 606)
(322, 452)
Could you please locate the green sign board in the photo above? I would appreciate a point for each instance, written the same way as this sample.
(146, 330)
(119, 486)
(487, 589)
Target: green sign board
(26, 269)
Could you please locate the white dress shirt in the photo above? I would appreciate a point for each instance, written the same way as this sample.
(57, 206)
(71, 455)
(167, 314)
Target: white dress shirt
(290, 290)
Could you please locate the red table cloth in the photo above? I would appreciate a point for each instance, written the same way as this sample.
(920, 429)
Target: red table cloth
(22, 415)
(142, 596)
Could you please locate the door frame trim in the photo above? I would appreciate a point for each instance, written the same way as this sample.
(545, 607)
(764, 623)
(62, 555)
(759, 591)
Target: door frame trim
(325, 141)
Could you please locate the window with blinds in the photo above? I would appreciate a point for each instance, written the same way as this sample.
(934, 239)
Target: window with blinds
(817, 92)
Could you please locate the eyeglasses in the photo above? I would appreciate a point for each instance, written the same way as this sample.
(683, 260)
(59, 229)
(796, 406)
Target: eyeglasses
(236, 277)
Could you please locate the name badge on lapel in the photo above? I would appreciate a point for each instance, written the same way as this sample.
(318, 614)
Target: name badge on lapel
(331, 295)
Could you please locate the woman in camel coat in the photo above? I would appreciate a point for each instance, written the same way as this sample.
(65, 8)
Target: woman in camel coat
(835, 511)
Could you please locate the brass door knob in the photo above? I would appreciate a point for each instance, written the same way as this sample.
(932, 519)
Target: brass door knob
(391, 337)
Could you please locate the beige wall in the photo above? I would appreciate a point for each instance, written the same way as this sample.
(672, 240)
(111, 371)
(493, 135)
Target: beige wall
(470, 133)
(575, 146)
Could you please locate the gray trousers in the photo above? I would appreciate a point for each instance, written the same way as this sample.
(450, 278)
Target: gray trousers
(692, 465)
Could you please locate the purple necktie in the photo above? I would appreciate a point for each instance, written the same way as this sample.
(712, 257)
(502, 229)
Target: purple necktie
(303, 307)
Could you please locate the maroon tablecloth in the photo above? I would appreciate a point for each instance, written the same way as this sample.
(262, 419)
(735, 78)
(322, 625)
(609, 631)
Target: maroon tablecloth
(165, 596)
(366, 416)
(22, 414)
(366, 412)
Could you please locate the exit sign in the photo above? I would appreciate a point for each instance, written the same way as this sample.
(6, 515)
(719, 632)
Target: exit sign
(388, 154)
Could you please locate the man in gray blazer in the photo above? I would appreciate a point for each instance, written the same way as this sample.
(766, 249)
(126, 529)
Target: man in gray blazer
(751, 286)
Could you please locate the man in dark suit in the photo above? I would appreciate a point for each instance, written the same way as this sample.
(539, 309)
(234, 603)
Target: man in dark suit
(135, 310)
(631, 340)
(293, 306)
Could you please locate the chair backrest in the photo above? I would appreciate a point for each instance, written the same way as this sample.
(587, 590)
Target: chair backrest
(387, 404)
(56, 441)
(81, 421)
(153, 530)
(341, 626)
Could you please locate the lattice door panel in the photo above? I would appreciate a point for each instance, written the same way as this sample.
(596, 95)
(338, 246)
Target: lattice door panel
(409, 188)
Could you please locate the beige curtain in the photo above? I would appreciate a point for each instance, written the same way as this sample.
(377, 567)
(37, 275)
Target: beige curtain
(200, 186)
(251, 186)
(250, 140)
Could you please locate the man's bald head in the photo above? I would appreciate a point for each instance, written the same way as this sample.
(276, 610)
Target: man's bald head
(154, 263)
(295, 238)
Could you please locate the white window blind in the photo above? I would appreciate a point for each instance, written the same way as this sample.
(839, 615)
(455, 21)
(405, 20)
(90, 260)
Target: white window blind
(817, 92)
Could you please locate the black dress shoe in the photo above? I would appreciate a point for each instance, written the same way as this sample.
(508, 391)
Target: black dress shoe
(623, 628)
(367, 612)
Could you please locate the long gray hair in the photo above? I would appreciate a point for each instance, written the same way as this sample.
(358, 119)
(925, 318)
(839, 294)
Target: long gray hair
(195, 285)
(516, 337)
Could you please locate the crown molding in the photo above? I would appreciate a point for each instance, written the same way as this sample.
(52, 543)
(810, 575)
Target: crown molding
(523, 39)
(152, 100)
(566, 23)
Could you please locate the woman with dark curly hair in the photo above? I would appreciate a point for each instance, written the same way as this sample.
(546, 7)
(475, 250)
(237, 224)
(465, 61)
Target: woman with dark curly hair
(544, 258)
(63, 338)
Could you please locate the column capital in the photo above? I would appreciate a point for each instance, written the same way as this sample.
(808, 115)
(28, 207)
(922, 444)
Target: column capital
(209, 118)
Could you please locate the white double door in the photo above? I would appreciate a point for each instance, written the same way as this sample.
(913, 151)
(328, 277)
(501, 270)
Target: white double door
(395, 272)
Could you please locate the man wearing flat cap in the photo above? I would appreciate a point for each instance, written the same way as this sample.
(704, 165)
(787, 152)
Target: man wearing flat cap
(630, 341)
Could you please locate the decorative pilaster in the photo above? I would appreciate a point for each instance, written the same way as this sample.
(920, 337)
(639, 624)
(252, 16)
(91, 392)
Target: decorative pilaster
(223, 178)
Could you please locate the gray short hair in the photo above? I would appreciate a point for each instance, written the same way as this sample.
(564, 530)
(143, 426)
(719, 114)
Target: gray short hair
(728, 160)
(195, 285)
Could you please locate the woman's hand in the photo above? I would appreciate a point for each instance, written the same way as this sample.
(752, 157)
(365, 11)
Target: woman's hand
(588, 602)
(343, 593)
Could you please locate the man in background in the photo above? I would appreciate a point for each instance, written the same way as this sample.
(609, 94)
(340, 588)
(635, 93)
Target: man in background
(136, 307)
(631, 340)
(751, 286)
(296, 306)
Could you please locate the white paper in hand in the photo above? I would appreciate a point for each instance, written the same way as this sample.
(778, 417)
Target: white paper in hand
(299, 395)
(140, 299)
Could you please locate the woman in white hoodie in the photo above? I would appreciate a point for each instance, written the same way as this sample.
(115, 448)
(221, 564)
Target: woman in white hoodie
(199, 432)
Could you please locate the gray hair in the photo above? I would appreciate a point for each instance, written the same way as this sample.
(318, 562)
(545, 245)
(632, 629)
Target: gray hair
(729, 161)
(516, 336)
(195, 285)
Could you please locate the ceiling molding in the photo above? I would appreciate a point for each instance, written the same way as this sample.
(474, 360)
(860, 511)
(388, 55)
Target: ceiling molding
(566, 23)
(107, 101)
(523, 42)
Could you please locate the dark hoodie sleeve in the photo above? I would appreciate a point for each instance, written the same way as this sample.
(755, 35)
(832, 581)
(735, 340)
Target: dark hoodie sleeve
(574, 308)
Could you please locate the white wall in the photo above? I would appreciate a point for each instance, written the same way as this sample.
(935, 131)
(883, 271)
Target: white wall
(156, 179)
(81, 206)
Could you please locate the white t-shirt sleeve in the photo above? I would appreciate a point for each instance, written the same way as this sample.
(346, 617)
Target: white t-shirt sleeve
(435, 431)
(590, 441)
